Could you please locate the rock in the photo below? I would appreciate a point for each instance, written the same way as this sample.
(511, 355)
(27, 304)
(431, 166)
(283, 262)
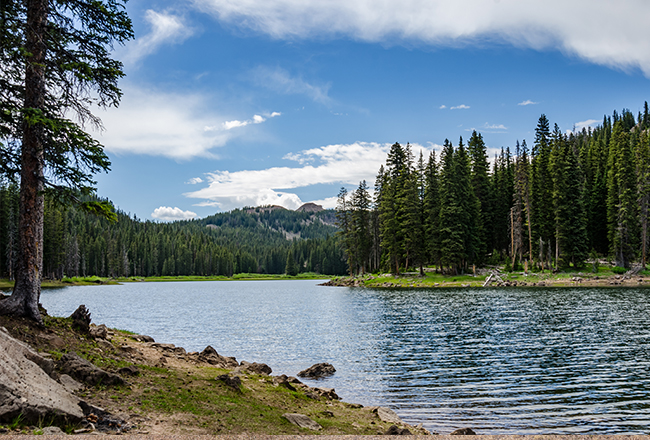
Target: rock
(70, 384)
(396, 430)
(52, 430)
(327, 393)
(98, 331)
(100, 419)
(233, 382)
(303, 421)
(84, 371)
(254, 368)
(26, 387)
(388, 415)
(463, 431)
(131, 370)
(53, 340)
(283, 381)
(318, 370)
(169, 348)
(353, 405)
(105, 345)
(81, 319)
(209, 355)
(142, 338)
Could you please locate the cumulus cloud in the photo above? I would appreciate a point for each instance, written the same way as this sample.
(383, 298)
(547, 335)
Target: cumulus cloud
(442, 106)
(168, 214)
(331, 164)
(166, 28)
(528, 102)
(194, 181)
(281, 81)
(175, 125)
(462, 107)
(161, 124)
(594, 30)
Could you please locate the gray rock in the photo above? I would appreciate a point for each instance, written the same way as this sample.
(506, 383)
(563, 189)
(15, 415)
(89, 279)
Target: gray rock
(131, 370)
(98, 331)
(209, 355)
(388, 415)
(70, 384)
(105, 345)
(303, 421)
(327, 393)
(283, 381)
(396, 430)
(142, 338)
(26, 387)
(233, 382)
(463, 431)
(86, 372)
(52, 430)
(101, 420)
(255, 368)
(318, 370)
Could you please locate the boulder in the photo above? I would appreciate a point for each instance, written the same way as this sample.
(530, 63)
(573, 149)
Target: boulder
(77, 367)
(463, 431)
(99, 331)
(283, 381)
(388, 415)
(318, 370)
(396, 430)
(209, 355)
(142, 338)
(70, 384)
(254, 368)
(101, 420)
(130, 370)
(26, 387)
(52, 430)
(233, 382)
(81, 319)
(303, 421)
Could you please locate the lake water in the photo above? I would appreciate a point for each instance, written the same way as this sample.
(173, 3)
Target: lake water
(501, 361)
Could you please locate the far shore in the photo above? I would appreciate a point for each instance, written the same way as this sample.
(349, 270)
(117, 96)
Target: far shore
(603, 277)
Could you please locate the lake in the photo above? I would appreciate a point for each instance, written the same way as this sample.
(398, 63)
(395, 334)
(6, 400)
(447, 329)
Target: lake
(501, 361)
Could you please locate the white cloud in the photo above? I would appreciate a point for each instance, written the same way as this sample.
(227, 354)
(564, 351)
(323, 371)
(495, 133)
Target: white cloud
(281, 81)
(495, 126)
(332, 164)
(257, 119)
(528, 102)
(442, 106)
(194, 181)
(167, 213)
(179, 126)
(599, 31)
(462, 106)
(165, 29)
(584, 124)
(161, 124)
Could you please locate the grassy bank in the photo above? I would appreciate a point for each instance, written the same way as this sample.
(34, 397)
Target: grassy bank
(175, 393)
(602, 276)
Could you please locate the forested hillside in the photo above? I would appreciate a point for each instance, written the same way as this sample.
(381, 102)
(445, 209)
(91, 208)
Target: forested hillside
(552, 205)
(241, 241)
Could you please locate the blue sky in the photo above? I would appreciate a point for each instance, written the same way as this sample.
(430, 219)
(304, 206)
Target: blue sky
(242, 103)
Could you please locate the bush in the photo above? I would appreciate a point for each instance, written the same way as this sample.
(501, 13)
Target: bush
(619, 270)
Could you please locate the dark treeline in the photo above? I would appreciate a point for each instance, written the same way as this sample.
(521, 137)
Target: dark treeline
(566, 198)
(273, 241)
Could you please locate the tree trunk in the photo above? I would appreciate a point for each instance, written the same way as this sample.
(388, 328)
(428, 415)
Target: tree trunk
(27, 290)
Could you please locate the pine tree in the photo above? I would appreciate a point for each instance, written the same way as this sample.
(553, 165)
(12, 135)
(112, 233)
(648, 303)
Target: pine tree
(362, 240)
(452, 229)
(481, 188)
(621, 206)
(541, 192)
(432, 210)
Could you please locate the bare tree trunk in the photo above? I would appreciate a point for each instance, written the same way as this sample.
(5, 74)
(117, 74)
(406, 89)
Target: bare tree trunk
(27, 290)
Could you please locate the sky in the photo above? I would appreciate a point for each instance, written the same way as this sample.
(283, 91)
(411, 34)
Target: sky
(254, 102)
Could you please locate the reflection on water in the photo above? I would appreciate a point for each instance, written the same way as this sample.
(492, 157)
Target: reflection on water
(511, 361)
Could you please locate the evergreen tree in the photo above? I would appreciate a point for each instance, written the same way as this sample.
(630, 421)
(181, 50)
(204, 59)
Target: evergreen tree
(621, 206)
(432, 209)
(481, 188)
(542, 217)
(451, 230)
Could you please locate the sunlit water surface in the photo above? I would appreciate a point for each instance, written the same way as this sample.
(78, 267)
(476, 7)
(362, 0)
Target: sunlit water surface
(501, 361)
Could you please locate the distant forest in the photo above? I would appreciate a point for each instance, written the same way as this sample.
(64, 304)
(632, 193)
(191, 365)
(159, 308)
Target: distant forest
(269, 240)
(567, 198)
